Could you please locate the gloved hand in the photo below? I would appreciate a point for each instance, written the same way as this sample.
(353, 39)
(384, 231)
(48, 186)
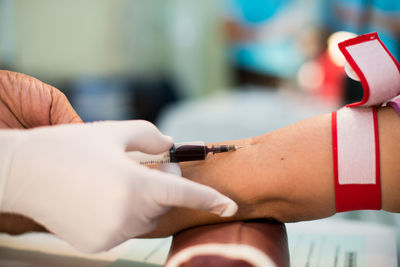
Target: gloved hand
(26, 102)
(77, 181)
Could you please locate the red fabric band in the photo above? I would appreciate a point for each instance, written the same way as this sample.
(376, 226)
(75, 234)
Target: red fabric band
(356, 196)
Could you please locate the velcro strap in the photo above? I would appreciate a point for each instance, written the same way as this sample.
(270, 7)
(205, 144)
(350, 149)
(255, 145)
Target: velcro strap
(355, 143)
(378, 70)
(355, 139)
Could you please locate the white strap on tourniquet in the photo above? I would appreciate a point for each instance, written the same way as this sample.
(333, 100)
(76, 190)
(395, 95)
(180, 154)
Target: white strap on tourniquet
(355, 137)
(356, 146)
(377, 69)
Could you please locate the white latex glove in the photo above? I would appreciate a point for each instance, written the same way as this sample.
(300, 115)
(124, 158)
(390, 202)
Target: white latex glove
(77, 181)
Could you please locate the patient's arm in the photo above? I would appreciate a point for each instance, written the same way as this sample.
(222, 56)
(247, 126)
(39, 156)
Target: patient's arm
(286, 174)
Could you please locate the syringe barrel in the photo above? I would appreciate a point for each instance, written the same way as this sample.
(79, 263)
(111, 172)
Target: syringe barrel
(188, 152)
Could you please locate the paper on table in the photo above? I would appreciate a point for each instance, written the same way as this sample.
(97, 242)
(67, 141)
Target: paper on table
(341, 243)
(142, 252)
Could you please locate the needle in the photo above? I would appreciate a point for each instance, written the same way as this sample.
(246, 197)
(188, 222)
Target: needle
(224, 148)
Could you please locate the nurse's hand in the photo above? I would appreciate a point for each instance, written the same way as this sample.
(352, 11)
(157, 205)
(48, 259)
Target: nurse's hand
(77, 181)
(26, 102)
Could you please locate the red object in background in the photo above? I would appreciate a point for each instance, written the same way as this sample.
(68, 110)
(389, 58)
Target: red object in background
(332, 87)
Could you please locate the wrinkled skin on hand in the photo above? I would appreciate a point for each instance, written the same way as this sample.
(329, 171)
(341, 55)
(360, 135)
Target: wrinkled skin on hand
(26, 102)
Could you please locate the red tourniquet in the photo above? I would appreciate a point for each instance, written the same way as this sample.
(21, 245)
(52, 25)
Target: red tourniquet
(357, 184)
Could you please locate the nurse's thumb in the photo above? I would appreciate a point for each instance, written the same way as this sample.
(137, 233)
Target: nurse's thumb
(180, 192)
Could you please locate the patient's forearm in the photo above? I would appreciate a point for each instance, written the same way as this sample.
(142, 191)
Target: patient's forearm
(286, 174)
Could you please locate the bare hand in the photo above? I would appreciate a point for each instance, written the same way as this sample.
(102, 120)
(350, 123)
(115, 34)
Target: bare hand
(26, 102)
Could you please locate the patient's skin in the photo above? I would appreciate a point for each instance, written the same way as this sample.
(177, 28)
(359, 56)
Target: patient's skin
(286, 175)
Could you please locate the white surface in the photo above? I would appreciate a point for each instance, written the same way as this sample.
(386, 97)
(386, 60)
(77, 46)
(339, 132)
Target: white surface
(139, 250)
(315, 242)
(324, 242)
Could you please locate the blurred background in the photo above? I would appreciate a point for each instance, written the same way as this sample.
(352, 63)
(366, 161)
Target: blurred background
(249, 60)
(207, 70)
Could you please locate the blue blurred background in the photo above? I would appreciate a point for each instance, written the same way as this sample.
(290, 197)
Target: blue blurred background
(129, 59)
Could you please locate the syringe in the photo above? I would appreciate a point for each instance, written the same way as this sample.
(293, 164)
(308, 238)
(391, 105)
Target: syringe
(179, 152)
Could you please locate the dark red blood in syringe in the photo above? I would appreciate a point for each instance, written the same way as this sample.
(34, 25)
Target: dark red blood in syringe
(196, 152)
(188, 153)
